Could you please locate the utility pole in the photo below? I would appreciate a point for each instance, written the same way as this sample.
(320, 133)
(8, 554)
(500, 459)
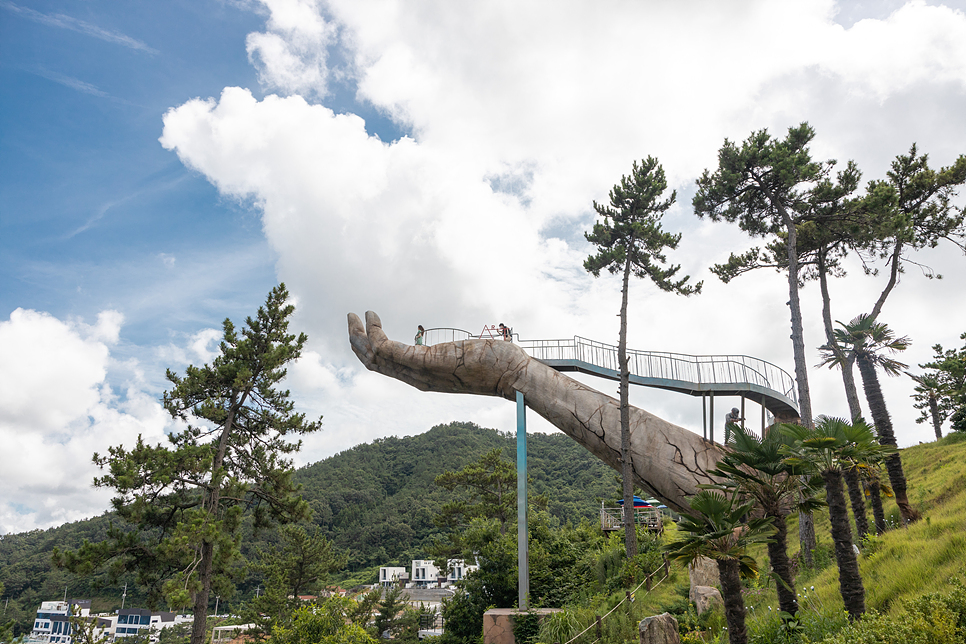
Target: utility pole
(217, 598)
(124, 596)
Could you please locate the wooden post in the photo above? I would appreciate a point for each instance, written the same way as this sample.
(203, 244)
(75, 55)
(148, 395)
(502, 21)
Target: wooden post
(600, 628)
(667, 567)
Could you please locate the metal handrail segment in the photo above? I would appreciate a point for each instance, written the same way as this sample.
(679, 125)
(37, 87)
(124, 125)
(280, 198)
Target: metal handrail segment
(700, 372)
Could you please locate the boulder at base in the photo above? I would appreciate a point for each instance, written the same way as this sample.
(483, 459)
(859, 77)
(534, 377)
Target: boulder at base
(703, 572)
(705, 598)
(659, 629)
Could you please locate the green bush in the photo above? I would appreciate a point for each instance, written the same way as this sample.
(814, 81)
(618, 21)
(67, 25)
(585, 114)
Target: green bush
(934, 618)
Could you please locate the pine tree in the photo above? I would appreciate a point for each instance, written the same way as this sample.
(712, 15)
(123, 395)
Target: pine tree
(630, 240)
(182, 504)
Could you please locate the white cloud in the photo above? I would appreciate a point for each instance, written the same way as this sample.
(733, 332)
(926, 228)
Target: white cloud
(522, 114)
(56, 410)
(291, 56)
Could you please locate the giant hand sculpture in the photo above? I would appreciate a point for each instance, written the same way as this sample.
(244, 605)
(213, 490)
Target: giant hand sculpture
(667, 459)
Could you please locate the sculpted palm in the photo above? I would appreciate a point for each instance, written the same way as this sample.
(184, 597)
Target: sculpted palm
(713, 529)
(870, 342)
(756, 468)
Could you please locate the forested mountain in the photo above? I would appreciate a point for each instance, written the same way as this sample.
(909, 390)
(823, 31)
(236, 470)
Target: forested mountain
(376, 500)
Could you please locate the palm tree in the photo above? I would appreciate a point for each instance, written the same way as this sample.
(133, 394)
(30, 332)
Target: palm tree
(868, 341)
(832, 446)
(715, 530)
(875, 488)
(755, 467)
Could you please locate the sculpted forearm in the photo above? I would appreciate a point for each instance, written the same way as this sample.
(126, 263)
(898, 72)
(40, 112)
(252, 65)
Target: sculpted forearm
(667, 459)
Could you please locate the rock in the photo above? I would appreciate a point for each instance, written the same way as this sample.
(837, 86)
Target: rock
(659, 629)
(705, 598)
(703, 572)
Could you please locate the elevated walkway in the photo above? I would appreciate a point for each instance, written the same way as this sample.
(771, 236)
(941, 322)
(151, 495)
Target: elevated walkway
(696, 375)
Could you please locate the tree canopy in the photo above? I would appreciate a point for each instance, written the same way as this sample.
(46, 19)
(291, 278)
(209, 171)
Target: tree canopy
(182, 504)
(631, 240)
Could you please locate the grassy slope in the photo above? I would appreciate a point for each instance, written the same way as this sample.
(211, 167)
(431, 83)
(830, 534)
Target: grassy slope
(902, 564)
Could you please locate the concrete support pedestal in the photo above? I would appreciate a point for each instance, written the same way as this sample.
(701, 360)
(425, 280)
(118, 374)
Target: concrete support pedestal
(498, 623)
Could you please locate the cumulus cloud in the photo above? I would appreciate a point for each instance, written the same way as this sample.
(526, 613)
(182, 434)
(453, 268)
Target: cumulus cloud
(291, 56)
(523, 114)
(56, 410)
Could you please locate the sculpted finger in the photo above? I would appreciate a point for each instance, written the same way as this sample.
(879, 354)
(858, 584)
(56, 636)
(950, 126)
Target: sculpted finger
(359, 342)
(377, 337)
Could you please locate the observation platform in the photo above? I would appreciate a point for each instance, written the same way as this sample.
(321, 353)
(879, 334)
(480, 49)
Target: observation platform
(696, 375)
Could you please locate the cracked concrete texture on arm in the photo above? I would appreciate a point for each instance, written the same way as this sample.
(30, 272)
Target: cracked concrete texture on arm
(667, 459)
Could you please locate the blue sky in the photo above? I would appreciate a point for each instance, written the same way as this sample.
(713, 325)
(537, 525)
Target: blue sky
(163, 165)
(92, 204)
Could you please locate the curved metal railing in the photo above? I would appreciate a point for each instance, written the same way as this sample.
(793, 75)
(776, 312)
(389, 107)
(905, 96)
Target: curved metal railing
(739, 370)
(698, 369)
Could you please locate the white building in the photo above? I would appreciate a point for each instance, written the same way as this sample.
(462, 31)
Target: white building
(52, 624)
(424, 574)
(391, 575)
(459, 569)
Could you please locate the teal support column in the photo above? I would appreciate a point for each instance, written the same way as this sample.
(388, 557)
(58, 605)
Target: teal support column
(523, 554)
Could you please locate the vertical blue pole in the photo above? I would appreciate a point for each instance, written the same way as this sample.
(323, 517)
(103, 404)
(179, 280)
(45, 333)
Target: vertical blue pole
(523, 557)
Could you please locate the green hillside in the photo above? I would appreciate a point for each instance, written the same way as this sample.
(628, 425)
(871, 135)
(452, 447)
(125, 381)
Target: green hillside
(378, 500)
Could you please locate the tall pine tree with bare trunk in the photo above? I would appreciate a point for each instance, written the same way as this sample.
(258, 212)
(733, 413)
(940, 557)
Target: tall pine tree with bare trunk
(631, 241)
(766, 186)
(183, 503)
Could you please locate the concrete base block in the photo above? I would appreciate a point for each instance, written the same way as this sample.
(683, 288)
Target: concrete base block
(498, 623)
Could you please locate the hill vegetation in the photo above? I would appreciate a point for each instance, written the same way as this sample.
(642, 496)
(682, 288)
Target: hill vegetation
(376, 500)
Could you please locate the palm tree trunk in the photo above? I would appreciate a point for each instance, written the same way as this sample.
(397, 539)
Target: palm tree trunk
(883, 426)
(857, 499)
(778, 555)
(806, 536)
(728, 570)
(627, 467)
(875, 494)
(850, 582)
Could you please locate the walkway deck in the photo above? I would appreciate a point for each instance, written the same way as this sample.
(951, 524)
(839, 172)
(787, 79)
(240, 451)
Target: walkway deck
(695, 375)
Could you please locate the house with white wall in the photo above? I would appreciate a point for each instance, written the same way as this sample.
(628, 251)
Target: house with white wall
(392, 575)
(52, 623)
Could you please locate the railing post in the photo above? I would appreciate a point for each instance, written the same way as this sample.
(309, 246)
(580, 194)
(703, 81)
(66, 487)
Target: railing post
(711, 414)
(704, 417)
